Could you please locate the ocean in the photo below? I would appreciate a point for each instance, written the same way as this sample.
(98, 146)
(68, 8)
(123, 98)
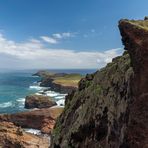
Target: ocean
(16, 85)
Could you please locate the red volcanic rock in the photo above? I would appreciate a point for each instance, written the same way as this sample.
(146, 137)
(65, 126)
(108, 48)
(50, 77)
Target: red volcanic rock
(12, 136)
(135, 38)
(42, 119)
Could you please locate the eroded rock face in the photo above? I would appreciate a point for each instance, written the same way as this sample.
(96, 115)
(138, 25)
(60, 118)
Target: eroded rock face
(96, 114)
(135, 38)
(110, 107)
(12, 136)
(42, 119)
(39, 101)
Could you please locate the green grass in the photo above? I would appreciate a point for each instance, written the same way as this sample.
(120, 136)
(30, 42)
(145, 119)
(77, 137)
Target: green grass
(68, 80)
(143, 24)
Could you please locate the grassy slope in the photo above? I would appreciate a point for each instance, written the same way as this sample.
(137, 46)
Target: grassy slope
(68, 80)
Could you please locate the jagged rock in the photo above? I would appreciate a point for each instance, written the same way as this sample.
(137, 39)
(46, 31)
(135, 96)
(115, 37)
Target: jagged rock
(42, 119)
(12, 136)
(111, 109)
(38, 101)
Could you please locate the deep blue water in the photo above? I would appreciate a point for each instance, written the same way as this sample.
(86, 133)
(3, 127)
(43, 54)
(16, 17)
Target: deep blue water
(14, 86)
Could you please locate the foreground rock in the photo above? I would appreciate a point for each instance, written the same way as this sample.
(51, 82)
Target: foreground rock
(39, 101)
(42, 119)
(12, 136)
(110, 107)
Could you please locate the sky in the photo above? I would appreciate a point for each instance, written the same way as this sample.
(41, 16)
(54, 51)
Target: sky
(63, 34)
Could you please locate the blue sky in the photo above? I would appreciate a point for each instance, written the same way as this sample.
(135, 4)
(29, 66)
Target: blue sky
(80, 27)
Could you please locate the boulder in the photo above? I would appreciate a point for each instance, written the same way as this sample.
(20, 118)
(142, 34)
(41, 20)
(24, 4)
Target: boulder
(12, 136)
(38, 101)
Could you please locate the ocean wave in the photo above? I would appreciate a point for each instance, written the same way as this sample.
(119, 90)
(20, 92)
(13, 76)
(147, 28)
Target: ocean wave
(35, 87)
(6, 104)
(21, 100)
(52, 93)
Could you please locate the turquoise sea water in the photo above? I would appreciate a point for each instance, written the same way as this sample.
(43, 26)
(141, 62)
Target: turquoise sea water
(13, 89)
(14, 86)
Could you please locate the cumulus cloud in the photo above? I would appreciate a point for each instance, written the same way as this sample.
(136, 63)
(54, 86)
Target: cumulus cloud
(34, 54)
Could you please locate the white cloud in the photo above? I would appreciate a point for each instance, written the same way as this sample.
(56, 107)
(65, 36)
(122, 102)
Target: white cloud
(54, 38)
(63, 35)
(49, 39)
(34, 54)
(57, 35)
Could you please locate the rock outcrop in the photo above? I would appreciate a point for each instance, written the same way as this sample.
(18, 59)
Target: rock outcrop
(42, 119)
(59, 82)
(110, 107)
(12, 136)
(38, 101)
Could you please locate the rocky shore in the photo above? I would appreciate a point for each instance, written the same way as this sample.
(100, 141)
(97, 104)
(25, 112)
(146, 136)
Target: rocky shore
(12, 136)
(42, 114)
(42, 119)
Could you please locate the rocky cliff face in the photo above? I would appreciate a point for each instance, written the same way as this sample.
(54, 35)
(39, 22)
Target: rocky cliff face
(135, 38)
(110, 107)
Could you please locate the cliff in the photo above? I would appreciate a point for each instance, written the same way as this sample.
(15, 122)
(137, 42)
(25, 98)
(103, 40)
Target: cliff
(110, 107)
(60, 82)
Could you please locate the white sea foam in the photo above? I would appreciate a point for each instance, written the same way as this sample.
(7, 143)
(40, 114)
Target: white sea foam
(33, 131)
(51, 93)
(61, 102)
(38, 93)
(36, 87)
(37, 132)
(21, 102)
(6, 104)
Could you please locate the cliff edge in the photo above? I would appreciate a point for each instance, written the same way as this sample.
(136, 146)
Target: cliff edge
(110, 107)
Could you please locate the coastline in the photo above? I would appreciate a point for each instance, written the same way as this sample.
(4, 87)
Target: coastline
(45, 117)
